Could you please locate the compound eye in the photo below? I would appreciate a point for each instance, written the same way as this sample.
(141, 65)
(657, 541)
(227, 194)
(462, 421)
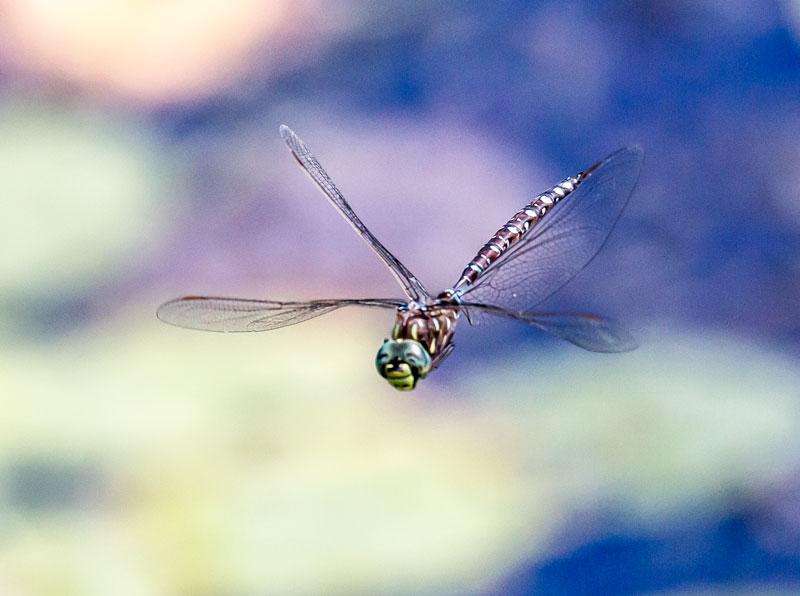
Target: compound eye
(413, 360)
(416, 356)
(384, 355)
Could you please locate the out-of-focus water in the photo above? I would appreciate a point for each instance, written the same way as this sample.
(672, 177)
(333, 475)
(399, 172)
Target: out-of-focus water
(140, 160)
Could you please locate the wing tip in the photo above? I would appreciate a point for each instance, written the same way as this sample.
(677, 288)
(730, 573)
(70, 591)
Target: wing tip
(635, 150)
(626, 344)
(167, 314)
(295, 144)
(621, 339)
(622, 342)
(285, 132)
(163, 311)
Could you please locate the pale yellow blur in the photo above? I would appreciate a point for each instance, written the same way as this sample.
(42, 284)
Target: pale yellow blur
(231, 463)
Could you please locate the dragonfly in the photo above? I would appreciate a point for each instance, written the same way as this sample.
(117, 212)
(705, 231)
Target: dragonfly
(538, 251)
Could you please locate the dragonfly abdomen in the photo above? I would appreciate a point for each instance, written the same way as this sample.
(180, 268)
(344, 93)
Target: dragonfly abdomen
(515, 229)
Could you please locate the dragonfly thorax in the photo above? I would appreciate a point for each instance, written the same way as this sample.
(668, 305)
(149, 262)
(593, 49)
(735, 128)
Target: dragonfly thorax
(432, 326)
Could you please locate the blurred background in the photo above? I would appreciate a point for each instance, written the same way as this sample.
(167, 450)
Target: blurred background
(140, 160)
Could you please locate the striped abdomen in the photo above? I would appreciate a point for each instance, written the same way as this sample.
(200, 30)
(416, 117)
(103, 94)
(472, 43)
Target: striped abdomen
(515, 229)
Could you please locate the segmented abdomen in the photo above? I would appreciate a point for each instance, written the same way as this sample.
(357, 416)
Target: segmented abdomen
(515, 229)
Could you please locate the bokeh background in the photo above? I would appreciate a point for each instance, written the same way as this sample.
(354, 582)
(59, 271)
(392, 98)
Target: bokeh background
(140, 160)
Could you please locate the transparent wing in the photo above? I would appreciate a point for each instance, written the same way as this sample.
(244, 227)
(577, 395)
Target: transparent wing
(233, 315)
(565, 240)
(412, 287)
(587, 331)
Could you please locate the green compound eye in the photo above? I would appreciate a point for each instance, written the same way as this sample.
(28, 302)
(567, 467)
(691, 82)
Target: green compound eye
(403, 362)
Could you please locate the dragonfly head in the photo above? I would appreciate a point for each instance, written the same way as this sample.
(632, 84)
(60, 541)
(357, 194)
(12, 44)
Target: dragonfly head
(403, 362)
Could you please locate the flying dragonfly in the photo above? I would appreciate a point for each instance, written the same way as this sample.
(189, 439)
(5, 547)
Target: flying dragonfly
(541, 248)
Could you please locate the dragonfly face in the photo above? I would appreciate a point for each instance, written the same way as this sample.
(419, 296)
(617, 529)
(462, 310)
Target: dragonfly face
(403, 362)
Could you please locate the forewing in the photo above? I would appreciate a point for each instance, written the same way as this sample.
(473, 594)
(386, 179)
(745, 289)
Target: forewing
(233, 315)
(564, 241)
(412, 287)
(587, 331)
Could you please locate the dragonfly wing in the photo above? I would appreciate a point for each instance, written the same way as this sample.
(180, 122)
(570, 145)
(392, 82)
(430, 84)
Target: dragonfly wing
(412, 287)
(233, 315)
(565, 240)
(587, 331)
